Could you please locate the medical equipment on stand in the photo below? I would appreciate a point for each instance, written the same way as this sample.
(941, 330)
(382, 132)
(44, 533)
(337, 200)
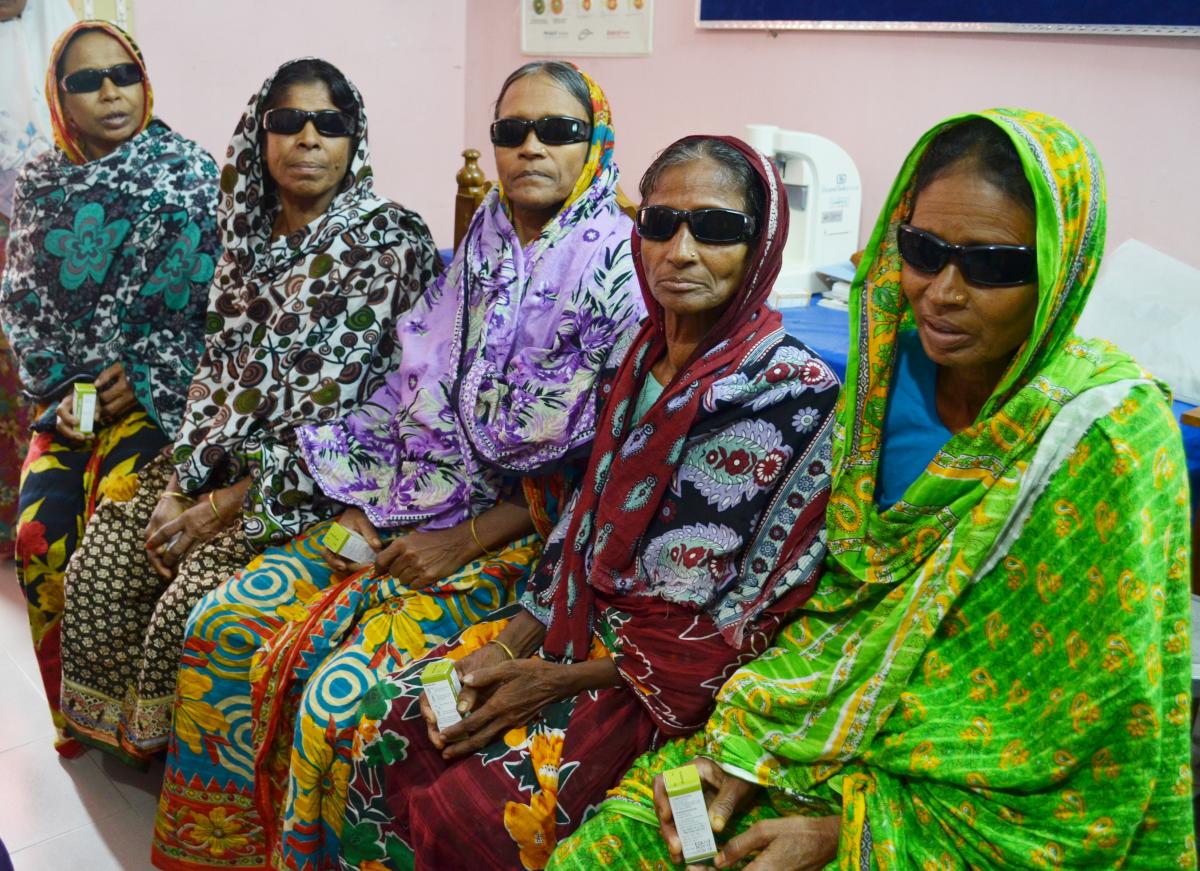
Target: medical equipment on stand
(825, 200)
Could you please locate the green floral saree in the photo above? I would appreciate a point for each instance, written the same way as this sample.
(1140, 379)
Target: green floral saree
(994, 671)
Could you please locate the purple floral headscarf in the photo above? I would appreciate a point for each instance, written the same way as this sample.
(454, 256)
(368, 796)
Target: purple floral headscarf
(499, 361)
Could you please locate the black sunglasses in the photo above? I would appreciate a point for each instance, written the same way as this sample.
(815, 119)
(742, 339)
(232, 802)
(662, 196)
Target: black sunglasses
(328, 122)
(985, 265)
(551, 130)
(86, 81)
(714, 226)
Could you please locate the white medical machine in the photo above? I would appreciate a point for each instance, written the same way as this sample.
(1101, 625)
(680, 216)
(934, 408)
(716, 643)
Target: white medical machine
(825, 198)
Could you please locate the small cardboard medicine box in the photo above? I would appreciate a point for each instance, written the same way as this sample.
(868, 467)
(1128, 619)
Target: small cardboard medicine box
(85, 406)
(690, 813)
(442, 688)
(349, 544)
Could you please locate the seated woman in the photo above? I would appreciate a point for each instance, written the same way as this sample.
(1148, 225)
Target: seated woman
(696, 530)
(113, 243)
(315, 270)
(995, 670)
(496, 381)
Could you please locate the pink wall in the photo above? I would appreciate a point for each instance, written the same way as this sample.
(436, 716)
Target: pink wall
(875, 93)
(406, 56)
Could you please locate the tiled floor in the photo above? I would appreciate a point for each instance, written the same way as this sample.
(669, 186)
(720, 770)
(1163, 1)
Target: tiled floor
(86, 814)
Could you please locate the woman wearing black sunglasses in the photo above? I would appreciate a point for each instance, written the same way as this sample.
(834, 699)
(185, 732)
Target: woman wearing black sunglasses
(315, 270)
(113, 247)
(695, 530)
(994, 671)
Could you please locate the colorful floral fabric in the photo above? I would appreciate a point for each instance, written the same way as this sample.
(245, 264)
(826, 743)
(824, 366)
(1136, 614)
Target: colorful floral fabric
(522, 332)
(720, 491)
(274, 668)
(300, 329)
(16, 415)
(61, 485)
(109, 261)
(996, 670)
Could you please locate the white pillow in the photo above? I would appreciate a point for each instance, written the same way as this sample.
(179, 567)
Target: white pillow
(1149, 305)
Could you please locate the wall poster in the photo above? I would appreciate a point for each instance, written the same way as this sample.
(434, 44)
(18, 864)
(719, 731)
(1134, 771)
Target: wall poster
(587, 27)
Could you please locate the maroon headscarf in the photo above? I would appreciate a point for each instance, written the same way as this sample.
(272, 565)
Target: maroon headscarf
(631, 467)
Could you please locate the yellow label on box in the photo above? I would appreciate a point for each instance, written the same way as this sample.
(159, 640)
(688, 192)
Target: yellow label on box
(85, 406)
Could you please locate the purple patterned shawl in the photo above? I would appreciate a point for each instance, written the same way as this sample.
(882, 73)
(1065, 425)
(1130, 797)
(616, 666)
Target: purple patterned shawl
(499, 361)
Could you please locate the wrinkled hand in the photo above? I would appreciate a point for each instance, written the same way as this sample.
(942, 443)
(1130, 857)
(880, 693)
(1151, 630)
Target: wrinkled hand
(419, 559)
(785, 844)
(469, 697)
(195, 525)
(67, 424)
(724, 794)
(168, 509)
(114, 394)
(355, 520)
(518, 690)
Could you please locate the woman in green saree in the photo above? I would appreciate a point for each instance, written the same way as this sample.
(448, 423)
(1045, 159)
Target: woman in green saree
(994, 671)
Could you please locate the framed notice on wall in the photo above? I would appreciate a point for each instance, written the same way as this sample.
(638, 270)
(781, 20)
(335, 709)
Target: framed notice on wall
(1110, 17)
(586, 27)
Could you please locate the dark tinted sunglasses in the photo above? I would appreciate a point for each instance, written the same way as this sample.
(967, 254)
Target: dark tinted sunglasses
(328, 122)
(985, 265)
(86, 81)
(551, 130)
(714, 226)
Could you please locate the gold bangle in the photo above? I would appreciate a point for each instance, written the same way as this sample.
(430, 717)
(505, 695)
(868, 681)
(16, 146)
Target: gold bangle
(212, 501)
(475, 535)
(183, 497)
(504, 647)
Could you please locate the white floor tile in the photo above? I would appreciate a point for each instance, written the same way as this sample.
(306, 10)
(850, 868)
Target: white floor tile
(51, 796)
(120, 842)
(26, 716)
(15, 639)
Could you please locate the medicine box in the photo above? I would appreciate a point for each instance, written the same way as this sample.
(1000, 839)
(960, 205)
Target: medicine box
(690, 813)
(85, 406)
(442, 688)
(349, 545)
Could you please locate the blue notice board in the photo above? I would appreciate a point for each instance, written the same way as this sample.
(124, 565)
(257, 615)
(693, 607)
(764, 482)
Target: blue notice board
(1122, 17)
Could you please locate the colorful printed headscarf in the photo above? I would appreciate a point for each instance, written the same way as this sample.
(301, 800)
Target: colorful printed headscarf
(300, 328)
(110, 261)
(498, 360)
(64, 137)
(635, 462)
(994, 670)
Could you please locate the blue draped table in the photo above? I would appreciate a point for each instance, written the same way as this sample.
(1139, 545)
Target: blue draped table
(827, 331)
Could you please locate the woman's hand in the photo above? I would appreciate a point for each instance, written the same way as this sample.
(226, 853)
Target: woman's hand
(169, 508)
(483, 657)
(419, 559)
(196, 525)
(518, 690)
(114, 394)
(785, 844)
(724, 794)
(354, 519)
(67, 424)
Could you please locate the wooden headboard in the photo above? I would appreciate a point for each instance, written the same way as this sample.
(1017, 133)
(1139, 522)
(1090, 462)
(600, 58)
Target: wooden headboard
(473, 187)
